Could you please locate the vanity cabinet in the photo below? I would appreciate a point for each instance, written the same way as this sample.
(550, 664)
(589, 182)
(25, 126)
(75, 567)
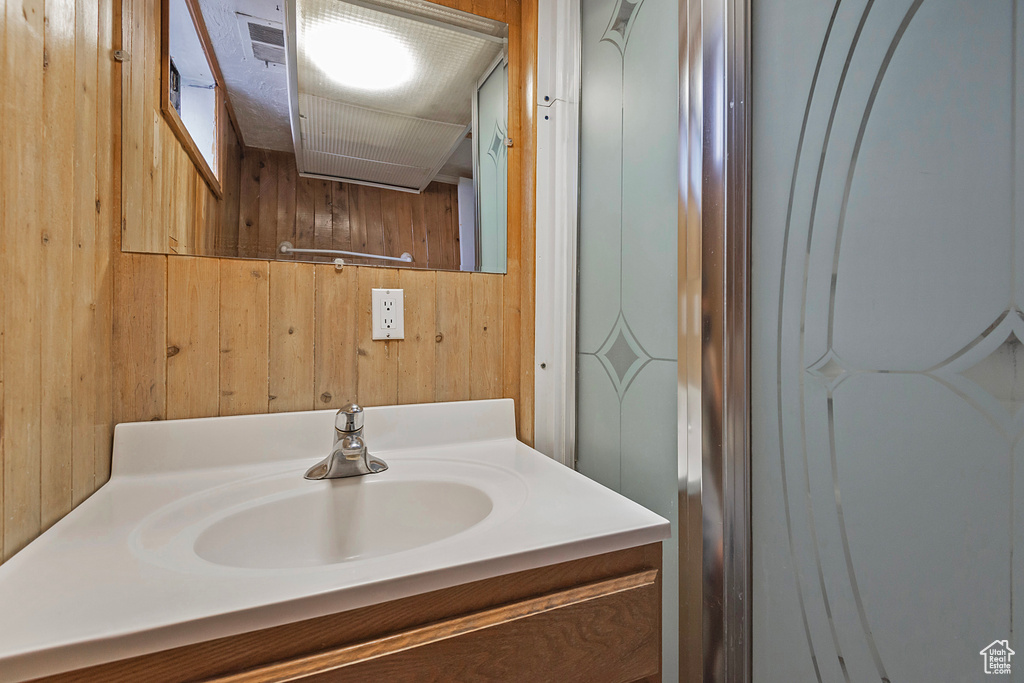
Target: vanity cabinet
(597, 619)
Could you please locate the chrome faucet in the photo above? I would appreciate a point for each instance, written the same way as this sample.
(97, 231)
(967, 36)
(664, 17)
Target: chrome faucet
(349, 457)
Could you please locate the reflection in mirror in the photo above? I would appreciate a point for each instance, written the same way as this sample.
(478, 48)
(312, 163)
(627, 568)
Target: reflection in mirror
(190, 91)
(372, 131)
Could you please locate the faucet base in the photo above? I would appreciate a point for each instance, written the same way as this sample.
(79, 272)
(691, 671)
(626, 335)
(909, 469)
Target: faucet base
(322, 470)
(376, 466)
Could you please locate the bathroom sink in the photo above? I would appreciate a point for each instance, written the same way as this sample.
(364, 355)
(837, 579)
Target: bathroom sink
(209, 529)
(341, 520)
(278, 521)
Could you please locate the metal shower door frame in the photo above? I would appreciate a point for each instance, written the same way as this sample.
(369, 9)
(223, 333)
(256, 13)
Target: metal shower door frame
(714, 342)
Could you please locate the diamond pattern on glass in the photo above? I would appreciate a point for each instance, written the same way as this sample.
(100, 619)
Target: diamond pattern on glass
(497, 143)
(830, 370)
(621, 23)
(987, 373)
(622, 356)
(1000, 373)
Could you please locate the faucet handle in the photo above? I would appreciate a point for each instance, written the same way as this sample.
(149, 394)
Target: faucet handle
(353, 448)
(349, 418)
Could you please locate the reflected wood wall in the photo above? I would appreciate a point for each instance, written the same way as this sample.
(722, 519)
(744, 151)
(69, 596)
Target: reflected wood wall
(277, 205)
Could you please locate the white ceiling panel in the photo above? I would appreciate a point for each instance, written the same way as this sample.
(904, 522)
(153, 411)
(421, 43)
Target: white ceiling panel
(340, 167)
(416, 123)
(338, 128)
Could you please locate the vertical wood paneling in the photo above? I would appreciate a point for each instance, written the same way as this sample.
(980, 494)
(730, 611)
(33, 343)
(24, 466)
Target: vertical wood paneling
(334, 362)
(437, 242)
(403, 219)
(421, 250)
(514, 365)
(227, 236)
(305, 219)
(292, 311)
(278, 205)
(391, 224)
(140, 337)
(454, 301)
(158, 192)
(371, 200)
(55, 287)
(184, 186)
(144, 61)
(453, 218)
(376, 361)
(323, 215)
(450, 227)
(249, 205)
(108, 186)
(485, 356)
(526, 236)
(59, 94)
(85, 324)
(5, 131)
(244, 336)
(416, 352)
(357, 218)
(133, 118)
(193, 337)
(342, 232)
(22, 178)
(286, 210)
(268, 206)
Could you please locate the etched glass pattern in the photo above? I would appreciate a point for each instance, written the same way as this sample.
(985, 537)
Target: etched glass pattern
(626, 406)
(887, 295)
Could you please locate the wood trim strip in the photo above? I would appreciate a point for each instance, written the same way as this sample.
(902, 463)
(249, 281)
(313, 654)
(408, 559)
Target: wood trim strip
(347, 656)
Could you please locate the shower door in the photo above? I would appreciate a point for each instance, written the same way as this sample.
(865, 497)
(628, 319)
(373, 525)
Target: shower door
(886, 298)
(626, 360)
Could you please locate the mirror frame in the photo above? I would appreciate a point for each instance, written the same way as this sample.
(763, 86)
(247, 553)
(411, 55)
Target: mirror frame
(220, 95)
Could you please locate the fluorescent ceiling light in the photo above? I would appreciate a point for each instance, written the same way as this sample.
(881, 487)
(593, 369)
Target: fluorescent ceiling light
(356, 55)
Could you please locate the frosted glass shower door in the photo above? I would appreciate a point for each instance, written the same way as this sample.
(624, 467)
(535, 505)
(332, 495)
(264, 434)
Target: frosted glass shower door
(887, 381)
(626, 363)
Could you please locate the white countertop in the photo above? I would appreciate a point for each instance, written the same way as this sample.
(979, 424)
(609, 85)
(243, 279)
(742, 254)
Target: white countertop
(102, 584)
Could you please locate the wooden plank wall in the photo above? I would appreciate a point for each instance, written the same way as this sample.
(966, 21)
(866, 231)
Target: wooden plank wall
(280, 206)
(231, 336)
(58, 207)
(91, 335)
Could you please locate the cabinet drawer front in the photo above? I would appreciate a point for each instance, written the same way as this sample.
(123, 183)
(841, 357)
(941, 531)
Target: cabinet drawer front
(604, 631)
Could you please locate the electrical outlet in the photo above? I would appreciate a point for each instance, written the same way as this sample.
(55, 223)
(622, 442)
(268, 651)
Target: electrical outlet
(388, 307)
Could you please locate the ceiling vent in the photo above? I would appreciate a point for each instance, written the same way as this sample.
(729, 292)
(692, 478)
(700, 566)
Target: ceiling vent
(263, 38)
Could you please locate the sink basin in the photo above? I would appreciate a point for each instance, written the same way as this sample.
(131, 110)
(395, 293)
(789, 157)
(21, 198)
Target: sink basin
(342, 520)
(279, 522)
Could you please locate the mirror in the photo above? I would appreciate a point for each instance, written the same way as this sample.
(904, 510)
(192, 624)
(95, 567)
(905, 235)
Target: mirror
(371, 131)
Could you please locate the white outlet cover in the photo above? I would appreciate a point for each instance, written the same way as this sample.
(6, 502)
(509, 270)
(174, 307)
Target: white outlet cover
(388, 313)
